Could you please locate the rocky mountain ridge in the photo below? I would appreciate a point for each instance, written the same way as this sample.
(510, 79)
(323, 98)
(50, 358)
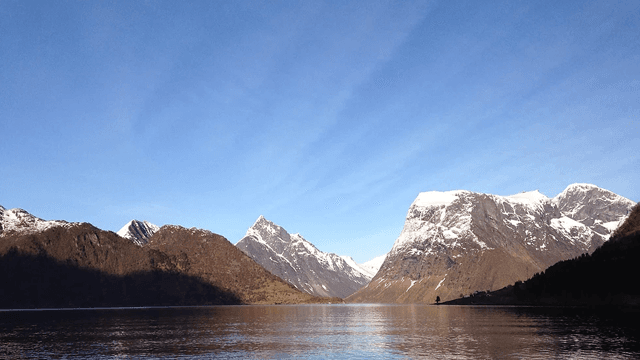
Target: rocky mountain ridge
(592, 280)
(300, 263)
(458, 242)
(60, 264)
(18, 221)
(453, 243)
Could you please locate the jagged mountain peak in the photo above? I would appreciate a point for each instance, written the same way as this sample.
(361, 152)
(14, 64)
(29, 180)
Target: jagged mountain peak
(263, 222)
(138, 231)
(261, 219)
(278, 239)
(298, 261)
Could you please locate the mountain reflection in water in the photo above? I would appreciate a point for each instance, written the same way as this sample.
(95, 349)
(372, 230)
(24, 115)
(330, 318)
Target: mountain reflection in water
(320, 331)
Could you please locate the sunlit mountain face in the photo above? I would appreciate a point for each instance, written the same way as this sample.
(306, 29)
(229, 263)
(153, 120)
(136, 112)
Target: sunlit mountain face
(458, 242)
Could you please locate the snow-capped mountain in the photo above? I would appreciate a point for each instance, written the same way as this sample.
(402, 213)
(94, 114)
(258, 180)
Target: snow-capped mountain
(294, 259)
(18, 221)
(138, 231)
(457, 242)
(372, 266)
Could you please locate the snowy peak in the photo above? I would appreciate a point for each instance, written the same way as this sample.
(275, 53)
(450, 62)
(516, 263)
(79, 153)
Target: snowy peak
(372, 266)
(14, 221)
(528, 197)
(580, 192)
(584, 210)
(296, 260)
(460, 241)
(438, 198)
(138, 231)
(590, 204)
(269, 234)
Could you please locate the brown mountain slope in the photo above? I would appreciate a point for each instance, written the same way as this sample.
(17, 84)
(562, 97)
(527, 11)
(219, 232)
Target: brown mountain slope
(630, 226)
(214, 259)
(603, 278)
(81, 245)
(79, 265)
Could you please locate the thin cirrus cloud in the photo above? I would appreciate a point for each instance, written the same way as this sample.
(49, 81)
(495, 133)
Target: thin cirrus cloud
(325, 117)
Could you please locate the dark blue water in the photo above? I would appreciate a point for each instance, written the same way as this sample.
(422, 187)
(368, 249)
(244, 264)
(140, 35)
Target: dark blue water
(320, 332)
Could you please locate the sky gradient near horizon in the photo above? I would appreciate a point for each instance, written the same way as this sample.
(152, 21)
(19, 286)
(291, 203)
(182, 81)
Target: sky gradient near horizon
(328, 118)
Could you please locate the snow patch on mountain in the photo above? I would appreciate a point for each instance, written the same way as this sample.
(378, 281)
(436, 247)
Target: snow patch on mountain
(19, 221)
(530, 198)
(296, 260)
(490, 240)
(581, 212)
(138, 231)
(372, 266)
(438, 198)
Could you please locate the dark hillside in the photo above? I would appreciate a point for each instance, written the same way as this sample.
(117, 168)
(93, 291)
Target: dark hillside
(40, 281)
(82, 266)
(81, 245)
(630, 226)
(214, 259)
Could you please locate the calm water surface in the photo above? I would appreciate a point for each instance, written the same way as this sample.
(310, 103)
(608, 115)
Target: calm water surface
(319, 332)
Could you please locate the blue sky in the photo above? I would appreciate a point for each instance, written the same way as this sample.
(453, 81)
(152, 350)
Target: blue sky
(328, 118)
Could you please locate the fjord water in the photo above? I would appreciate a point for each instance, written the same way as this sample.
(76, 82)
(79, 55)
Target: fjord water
(319, 332)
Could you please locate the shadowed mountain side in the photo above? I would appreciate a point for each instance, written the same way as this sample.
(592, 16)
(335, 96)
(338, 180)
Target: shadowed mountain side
(630, 226)
(84, 246)
(213, 258)
(606, 277)
(182, 266)
(40, 281)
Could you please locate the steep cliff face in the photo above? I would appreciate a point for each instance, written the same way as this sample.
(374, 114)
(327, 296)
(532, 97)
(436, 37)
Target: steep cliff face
(294, 259)
(597, 279)
(458, 242)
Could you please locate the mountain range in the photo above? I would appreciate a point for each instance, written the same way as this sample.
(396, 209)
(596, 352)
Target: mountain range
(60, 264)
(456, 243)
(453, 244)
